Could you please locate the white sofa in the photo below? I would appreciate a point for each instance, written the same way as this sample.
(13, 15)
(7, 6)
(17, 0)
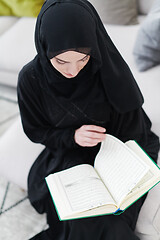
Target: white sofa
(17, 152)
(16, 46)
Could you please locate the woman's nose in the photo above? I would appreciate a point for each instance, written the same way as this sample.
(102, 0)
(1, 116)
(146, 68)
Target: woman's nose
(73, 69)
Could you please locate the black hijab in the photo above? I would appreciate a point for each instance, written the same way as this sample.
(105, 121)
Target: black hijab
(64, 25)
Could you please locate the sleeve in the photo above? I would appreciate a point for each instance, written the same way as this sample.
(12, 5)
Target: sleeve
(34, 120)
(136, 125)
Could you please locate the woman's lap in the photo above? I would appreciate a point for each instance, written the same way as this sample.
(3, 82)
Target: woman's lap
(109, 227)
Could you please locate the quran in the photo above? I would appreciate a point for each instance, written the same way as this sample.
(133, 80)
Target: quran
(122, 173)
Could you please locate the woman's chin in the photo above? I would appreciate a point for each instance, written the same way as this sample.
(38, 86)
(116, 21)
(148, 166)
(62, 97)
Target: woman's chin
(67, 75)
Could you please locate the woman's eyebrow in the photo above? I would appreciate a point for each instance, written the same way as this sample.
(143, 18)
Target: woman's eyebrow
(69, 62)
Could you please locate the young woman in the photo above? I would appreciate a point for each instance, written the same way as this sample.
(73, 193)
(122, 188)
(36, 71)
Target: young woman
(74, 91)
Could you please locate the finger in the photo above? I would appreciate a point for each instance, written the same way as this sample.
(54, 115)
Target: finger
(92, 141)
(86, 144)
(95, 135)
(94, 128)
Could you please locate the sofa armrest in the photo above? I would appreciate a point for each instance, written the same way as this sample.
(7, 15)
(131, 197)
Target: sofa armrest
(17, 154)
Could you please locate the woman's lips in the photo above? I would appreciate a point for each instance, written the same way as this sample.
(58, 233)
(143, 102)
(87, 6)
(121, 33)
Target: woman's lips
(68, 74)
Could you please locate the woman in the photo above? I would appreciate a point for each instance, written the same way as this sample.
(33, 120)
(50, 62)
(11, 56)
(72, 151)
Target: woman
(77, 88)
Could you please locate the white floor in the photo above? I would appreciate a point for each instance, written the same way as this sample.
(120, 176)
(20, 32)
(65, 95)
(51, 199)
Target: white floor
(18, 220)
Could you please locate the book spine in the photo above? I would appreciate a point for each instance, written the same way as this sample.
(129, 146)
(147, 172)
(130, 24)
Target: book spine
(118, 212)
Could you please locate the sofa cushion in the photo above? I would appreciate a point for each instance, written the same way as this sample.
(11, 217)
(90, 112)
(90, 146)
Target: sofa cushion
(7, 22)
(17, 45)
(20, 8)
(121, 12)
(147, 45)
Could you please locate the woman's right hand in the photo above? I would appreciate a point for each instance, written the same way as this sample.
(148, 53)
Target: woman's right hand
(89, 135)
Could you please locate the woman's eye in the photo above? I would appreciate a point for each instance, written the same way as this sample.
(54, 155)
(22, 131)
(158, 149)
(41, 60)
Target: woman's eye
(59, 61)
(85, 58)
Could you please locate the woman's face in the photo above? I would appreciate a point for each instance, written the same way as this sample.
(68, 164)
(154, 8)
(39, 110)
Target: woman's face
(70, 63)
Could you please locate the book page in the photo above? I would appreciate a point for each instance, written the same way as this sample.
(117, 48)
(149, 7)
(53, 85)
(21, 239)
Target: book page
(119, 167)
(148, 181)
(142, 187)
(83, 188)
(141, 184)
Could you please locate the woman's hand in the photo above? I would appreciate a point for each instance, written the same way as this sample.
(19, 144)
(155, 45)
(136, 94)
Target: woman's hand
(89, 135)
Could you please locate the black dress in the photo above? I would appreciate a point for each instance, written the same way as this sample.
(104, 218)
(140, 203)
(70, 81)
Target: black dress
(53, 124)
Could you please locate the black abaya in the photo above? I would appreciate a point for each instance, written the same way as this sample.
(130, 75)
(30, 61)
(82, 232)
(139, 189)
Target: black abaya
(52, 107)
(62, 152)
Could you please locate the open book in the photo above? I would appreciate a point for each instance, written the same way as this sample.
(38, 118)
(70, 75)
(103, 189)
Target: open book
(122, 173)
